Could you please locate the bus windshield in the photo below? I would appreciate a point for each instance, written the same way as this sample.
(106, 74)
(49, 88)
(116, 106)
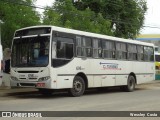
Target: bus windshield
(30, 52)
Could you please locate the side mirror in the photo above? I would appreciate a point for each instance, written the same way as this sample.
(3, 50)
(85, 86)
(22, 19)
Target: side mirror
(58, 45)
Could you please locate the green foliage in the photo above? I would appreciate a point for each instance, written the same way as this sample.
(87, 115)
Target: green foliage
(63, 13)
(16, 16)
(120, 18)
(126, 15)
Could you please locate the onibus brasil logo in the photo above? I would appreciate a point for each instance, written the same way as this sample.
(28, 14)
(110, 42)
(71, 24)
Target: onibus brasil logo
(110, 66)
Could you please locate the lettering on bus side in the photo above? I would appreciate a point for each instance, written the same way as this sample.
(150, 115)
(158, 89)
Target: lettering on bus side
(110, 66)
(79, 68)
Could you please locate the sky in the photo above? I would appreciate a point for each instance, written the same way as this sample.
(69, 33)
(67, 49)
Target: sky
(152, 17)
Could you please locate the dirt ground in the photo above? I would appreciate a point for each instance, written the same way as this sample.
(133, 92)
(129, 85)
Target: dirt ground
(150, 85)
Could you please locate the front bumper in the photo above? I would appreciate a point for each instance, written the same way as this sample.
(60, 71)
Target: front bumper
(32, 84)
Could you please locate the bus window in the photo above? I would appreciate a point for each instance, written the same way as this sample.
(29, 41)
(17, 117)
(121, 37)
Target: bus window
(140, 51)
(29, 52)
(146, 58)
(64, 48)
(151, 53)
(84, 45)
(148, 54)
(62, 51)
(79, 45)
(108, 49)
(97, 49)
(121, 49)
(132, 52)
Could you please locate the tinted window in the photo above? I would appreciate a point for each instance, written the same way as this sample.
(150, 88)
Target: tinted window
(64, 48)
(148, 54)
(121, 49)
(132, 52)
(140, 51)
(84, 45)
(108, 49)
(97, 49)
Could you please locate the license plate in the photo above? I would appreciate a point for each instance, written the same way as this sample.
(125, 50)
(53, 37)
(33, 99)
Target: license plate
(40, 84)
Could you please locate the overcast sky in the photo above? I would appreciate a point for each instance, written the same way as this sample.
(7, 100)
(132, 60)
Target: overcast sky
(152, 17)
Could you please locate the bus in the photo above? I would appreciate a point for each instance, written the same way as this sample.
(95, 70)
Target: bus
(50, 58)
(157, 58)
(157, 61)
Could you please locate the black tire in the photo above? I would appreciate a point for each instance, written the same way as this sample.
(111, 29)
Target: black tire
(130, 84)
(78, 87)
(46, 92)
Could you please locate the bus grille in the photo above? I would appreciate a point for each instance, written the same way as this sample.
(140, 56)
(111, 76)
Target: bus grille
(27, 71)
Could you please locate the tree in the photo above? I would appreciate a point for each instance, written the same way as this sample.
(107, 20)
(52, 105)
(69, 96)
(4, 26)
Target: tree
(16, 14)
(127, 16)
(63, 13)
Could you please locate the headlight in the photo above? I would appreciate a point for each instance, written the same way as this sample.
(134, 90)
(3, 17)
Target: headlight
(44, 78)
(14, 78)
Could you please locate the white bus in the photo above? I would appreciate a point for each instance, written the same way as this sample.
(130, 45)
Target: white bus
(50, 58)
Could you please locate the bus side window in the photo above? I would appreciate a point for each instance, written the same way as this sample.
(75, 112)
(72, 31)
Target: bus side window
(108, 49)
(151, 53)
(146, 56)
(86, 45)
(97, 48)
(65, 48)
(121, 50)
(148, 53)
(83, 46)
(140, 54)
(132, 52)
(78, 46)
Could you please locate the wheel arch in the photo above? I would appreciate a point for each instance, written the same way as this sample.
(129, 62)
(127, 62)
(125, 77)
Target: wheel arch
(82, 75)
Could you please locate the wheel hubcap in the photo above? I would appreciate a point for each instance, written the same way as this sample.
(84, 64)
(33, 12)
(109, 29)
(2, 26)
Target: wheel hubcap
(131, 83)
(77, 86)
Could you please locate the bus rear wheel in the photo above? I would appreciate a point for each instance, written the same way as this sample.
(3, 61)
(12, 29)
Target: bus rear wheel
(78, 87)
(130, 84)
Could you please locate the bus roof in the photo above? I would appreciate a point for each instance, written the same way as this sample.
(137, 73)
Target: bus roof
(89, 34)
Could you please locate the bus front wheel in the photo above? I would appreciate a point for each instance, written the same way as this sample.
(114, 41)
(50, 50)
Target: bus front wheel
(78, 87)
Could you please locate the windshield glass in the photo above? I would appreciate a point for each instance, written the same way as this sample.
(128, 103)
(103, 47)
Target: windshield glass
(30, 52)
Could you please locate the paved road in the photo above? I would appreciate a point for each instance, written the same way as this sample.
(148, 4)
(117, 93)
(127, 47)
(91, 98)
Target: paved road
(146, 97)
